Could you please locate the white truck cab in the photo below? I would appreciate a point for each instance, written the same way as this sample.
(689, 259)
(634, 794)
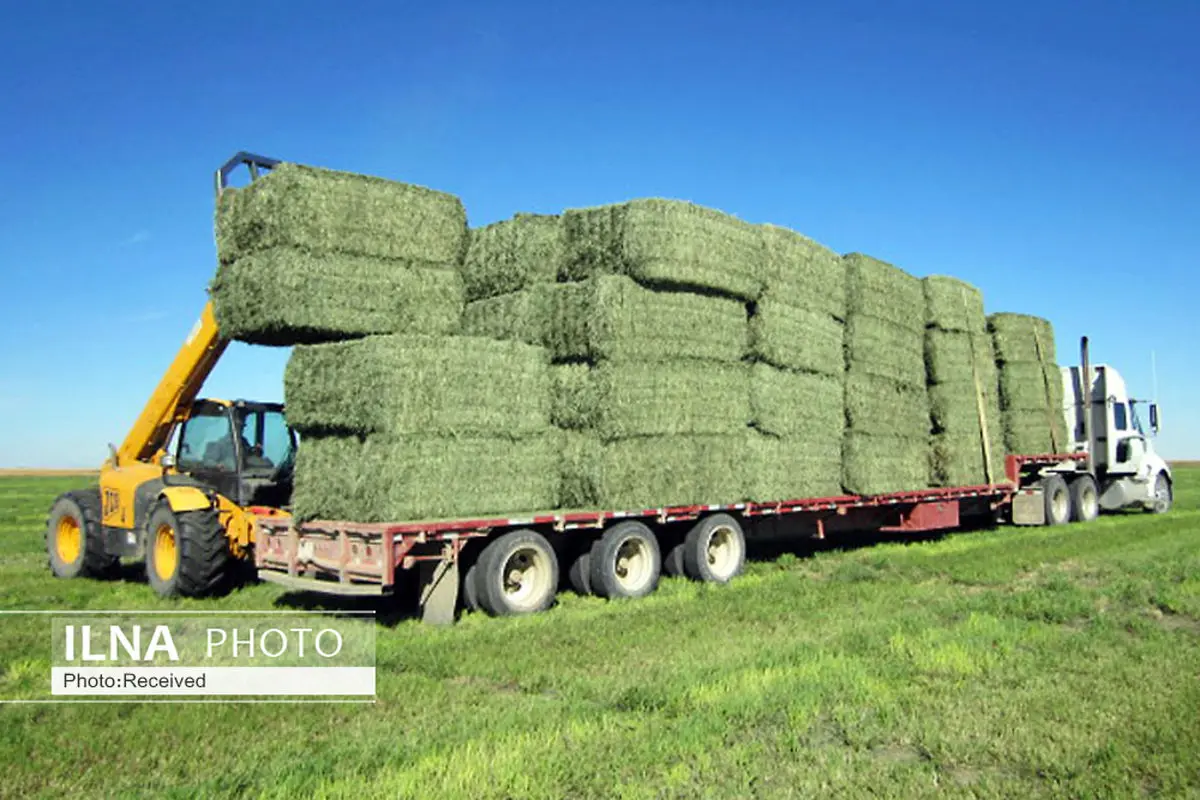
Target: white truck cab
(1128, 471)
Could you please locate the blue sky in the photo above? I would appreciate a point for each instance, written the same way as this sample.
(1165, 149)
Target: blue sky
(1044, 151)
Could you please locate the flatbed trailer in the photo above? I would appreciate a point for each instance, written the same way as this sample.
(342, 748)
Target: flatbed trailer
(356, 558)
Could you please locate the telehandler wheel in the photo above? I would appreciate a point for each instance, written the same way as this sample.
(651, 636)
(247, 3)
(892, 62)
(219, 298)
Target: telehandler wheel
(714, 549)
(517, 574)
(625, 561)
(74, 542)
(1058, 500)
(186, 553)
(1085, 500)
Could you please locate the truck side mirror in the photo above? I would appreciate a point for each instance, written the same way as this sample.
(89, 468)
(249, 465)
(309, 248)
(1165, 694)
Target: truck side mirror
(1154, 417)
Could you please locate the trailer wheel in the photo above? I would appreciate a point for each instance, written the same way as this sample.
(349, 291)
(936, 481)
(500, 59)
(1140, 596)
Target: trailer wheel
(1085, 500)
(470, 587)
(517, 574)
(73, 537)
(673, 561)
(1058, 500)
(625, 561)
(580, 573)
(714, 549)
(1163, 495)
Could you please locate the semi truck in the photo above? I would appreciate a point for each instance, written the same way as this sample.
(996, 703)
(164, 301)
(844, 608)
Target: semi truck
(199, 486)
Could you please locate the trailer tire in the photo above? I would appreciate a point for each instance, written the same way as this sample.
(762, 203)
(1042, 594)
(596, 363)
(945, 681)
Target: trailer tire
(673, 561)
(626, 561)
(1164, 495)
(470, 587)
(187, 552)
(580, 573)
(517, 573)
(1085, 499)
(714, 550)
(1058, 500)
(74, 538)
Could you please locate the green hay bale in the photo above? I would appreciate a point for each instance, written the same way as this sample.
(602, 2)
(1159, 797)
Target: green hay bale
(665, 243)
(804, 406)
(785, 335)
(388, 479)
(881, 290)
(882, 348)
(882, 407)
(578, 454)
(802, 273)
(958, 460)
(622, 400)
(419, 385)
(884, 464)
(790, 468)
(956, 356)
(523, 316)
(1025, 385)
(286, 297)
(654, 471)
(1029, 433)
(512, 255)
(953, 305)
(1016, 338)
(324, 211)
(953, 408)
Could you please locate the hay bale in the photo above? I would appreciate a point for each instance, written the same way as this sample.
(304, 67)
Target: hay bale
(882, 407)
(665, 243)
(1017, 336)
(512, 255)
(956, 356)
(1029, 433)
(879, 347)
(881, 290)
(958, 459)
(653, 471)
(788, 336)
(953, 407)
(322, 212)
(953, 305)
(884, 464)
(799, 405)
(618, 400)
(285, 296)
(790, 468)
(381, 478)
(802, 273)
(1028, 386)
(523, 316)
(419, 385)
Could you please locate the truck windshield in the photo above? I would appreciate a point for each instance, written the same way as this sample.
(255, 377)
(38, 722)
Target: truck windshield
(267, 442)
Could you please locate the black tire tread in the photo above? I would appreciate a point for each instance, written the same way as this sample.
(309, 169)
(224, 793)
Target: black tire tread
(97, 563)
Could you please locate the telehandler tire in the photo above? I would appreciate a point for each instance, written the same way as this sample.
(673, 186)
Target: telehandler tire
(187, 553)
(74, 541)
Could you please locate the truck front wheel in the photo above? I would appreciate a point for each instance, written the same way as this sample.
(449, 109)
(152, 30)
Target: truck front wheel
(1163, 496)
(516, 574)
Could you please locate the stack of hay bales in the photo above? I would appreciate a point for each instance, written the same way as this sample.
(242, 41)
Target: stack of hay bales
(310, 255)
(794, 449)
(1031, 387)
(967, 444)
(887, 406)
(646, 325)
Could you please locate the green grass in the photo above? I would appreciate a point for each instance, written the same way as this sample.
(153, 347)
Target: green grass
(1015, 662)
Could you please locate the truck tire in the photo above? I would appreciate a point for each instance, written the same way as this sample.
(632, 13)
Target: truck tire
(517, 574)
(74, 538)
(1164, 496)
(470, 587)
(625, 561)
(1085, 499)
(714, 550)
(673, 561)
(1058, 500)
(580, 573)
(187, 553)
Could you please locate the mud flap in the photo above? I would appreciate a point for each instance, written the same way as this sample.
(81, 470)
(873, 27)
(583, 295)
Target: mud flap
(439, 589)
(1029, 508)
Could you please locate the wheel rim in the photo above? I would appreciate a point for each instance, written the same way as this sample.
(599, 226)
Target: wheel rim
(632, 565)
(1058, 504)
(164, 552)
(68, 539)
(723, 551)
(526, 577)
(1162, 494)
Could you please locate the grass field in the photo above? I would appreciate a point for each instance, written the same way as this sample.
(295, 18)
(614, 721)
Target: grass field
(1014, 662)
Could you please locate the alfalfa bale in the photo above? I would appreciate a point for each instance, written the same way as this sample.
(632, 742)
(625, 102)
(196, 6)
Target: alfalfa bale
(1034, 432)
(794, 337)
(953, 305)
(958, 460)
(802, 405)
(790, 468)
(953, 407)
(285, 296)
(523, 316)
(802, 272)
(420, 385)
(882, 348)
(381, 478)
(513, 254)
(957, 356)
(654, 471)
(1021, 337)
(663, 242)
(321, 212)
(882, 407)
(883, 291)
(884, 464)
(1029, 386)
(618, 400)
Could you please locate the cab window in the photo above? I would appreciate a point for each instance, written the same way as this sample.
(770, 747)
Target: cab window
(207, 442)
(266, 440)
(1120, 421)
